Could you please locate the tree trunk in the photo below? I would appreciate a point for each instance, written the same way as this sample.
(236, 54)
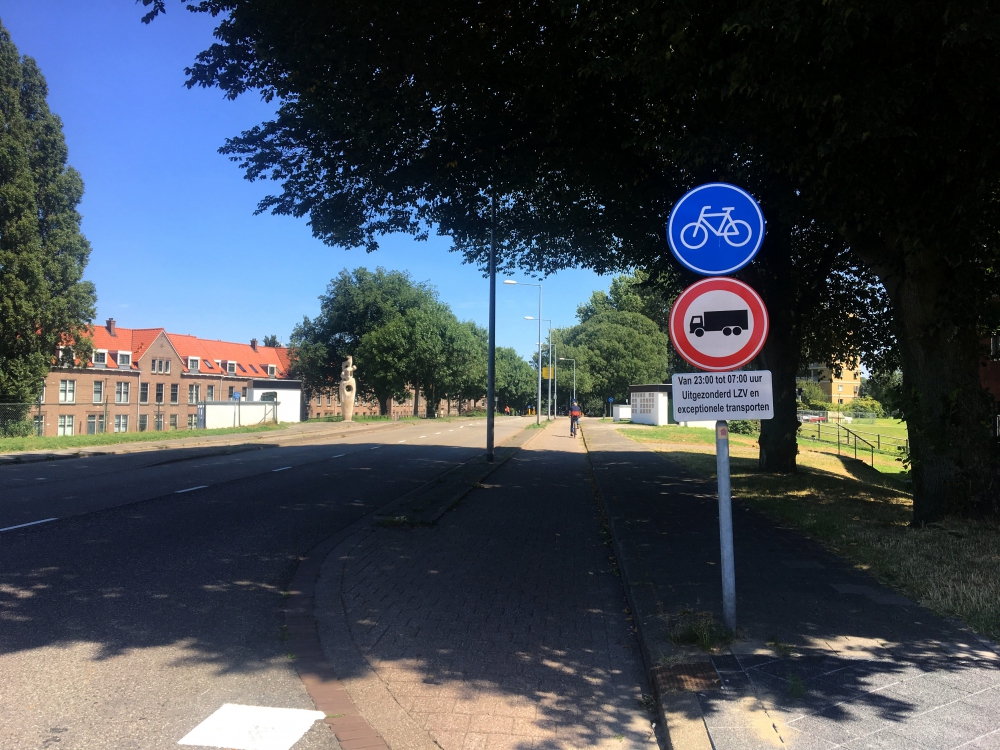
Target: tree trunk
(383, 405)
(953, 455)
(416, 401)
(772, 276)
(430, 401)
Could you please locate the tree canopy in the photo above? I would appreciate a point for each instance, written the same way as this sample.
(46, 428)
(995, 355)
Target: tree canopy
(43, 300)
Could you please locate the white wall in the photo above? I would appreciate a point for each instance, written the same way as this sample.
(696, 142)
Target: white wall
(621, 411)
(289, 402)
(214, 415)
(650, 407)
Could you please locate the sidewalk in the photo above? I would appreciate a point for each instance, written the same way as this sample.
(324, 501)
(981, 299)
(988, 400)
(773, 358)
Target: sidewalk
(502, 626)
(856, 665)
(295, 433)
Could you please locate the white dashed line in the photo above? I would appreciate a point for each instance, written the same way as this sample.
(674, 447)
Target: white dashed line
(192, 489)
(340, 455)
(283, 468)
(423, 436)
(32, 523)
(402, 441)
(375, 447)
(437, 433)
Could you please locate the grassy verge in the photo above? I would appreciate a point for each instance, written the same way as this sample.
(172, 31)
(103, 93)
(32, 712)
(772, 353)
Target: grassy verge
(537, 426)
(952, 567)
(9, 445)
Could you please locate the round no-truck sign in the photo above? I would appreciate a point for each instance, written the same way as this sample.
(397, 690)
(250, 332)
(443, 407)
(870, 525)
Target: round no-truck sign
(718, 324)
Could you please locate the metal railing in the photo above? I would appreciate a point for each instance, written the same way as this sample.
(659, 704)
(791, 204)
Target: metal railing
(845, 439)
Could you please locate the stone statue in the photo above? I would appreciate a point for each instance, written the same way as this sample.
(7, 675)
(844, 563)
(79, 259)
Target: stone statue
(348, 389)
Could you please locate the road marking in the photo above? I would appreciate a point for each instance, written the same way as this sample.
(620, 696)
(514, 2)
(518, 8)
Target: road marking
(423, 436)
(437, 433)
(283, 468)
(450, 430)
(375, 447)
(32, 523)
(340, 455)
(257, 727)
(402, 441)
(191, 489)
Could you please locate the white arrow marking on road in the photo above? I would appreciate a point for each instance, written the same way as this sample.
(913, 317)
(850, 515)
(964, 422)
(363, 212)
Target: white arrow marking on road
(283, 468)
(190, 489)
(32, 523)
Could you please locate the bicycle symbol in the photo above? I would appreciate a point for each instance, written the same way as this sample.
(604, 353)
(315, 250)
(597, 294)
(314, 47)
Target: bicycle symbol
(730, 229)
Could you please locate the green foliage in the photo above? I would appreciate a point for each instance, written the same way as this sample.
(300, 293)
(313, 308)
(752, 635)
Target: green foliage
(43, 300)
(866, 404)
(271, 340)
(812, 395)
(745, 426)
(516, 380)
(613, 350)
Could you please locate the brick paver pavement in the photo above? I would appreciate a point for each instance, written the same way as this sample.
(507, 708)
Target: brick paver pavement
(503, 626)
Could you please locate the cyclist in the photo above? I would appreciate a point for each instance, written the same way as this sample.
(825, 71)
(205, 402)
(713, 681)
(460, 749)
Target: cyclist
(574, 418)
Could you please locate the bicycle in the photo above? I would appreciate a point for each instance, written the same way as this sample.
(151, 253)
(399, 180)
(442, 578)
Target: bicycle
(728, 228)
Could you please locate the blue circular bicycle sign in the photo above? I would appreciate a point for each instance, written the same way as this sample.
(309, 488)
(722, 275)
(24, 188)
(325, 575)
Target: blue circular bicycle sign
(715, 229)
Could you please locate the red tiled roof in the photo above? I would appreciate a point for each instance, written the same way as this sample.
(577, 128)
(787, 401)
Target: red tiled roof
(250, 363)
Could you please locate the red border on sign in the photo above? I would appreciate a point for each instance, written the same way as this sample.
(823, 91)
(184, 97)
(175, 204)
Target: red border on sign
(678, 314)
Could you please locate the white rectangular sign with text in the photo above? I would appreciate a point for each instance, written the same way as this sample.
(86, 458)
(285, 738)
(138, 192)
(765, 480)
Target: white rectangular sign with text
(722, 395)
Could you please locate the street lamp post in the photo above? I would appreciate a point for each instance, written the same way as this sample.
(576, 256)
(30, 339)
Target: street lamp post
(538, 408)
(548, 408)
(570, 359)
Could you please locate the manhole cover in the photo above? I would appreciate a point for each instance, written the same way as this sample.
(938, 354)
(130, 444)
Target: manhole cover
(686, 678)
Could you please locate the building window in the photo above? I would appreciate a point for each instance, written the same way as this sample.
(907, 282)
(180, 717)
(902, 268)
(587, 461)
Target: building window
(121, 422)
(329, 399)
(95, 424)
(272, 371)
(41, 396)
(158, 422)
(159, 393)
(194, 364)
(840, 400)
(231, 368)
(143, 422)
(192, 421)
(173, 421)
(840, 387)
(194, 394)
(211, 393)
(39, 425)
(244, 393)
(65, 425)
(124, 359)
(175, 390)
(121, 393)
(319, 400)
(232, 392)
(98, 392)
(166, 368)
(856, 390)
(101, 358)
(144, 393)
(67, 392)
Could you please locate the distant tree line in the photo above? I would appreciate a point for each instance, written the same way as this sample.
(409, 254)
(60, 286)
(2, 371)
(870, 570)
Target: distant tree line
(402, 337)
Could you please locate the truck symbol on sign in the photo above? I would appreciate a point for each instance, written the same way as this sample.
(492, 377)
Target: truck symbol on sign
(730, 322)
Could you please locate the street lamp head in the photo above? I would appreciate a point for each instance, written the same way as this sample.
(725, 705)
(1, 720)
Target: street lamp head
(509, 281)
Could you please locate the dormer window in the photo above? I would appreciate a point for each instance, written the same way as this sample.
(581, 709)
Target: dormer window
(272, 371)
(101, 357)
(231, 368)
(124, 359)
(194, 364)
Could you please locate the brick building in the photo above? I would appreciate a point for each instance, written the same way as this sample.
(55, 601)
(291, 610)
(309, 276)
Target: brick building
(143, 379)
(840, 390)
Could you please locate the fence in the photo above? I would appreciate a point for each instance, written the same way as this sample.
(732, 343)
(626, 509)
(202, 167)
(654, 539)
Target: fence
(847, 439)
(20, 420)
(846, 417)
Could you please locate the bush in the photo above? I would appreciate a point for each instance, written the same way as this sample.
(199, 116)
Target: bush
(866, 404)
(16, 429)
(745, 426)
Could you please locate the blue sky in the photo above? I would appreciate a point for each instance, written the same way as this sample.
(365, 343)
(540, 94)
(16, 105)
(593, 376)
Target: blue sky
(175, 242)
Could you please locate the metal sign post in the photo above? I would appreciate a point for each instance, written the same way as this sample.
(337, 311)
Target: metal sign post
(725, 524)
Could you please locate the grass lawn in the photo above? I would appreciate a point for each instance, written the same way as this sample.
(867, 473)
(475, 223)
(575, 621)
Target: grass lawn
(9, 445)
(952, 567)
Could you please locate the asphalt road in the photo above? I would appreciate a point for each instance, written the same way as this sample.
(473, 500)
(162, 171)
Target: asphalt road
(155, 596)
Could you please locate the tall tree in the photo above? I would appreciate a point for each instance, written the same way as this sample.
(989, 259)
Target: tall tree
(355, 304)
(43, 300)
(516, 380)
